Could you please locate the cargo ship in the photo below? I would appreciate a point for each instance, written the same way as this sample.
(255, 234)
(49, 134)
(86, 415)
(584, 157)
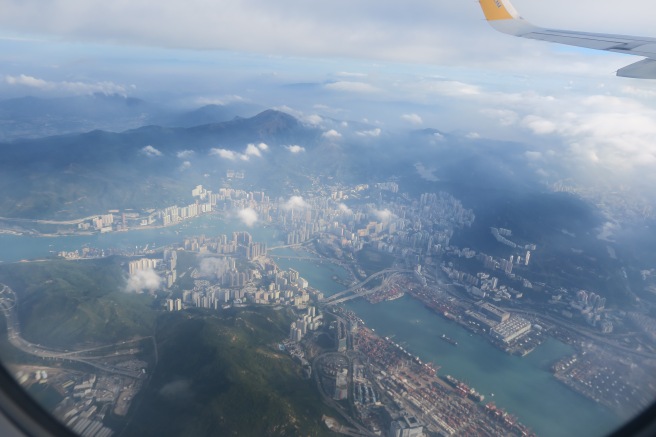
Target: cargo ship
(475, 396)
(430, 369)
(463, 389)
(449, 340)
(508, 420)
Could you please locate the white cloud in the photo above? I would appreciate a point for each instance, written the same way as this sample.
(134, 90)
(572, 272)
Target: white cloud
(505, 117)
(219, 101)
(29, 81)
(224, 153)
(345, 209)
(295, 202)
(539, 125)
(606, 131)
(442, 87)
(607, 231)
(412, 119)
(426, 173)
(352, 87)
(252, 150)
(289, 110)
(429, 32)
(143, 280)
(295, 149)
(65, 86)
(248, 216)
(313, 119)
(640, 91)
(213, 267)
(473, 135)
(186, 165)
(383, 214)
(351, 74)
(184, 154)
(331, 134)
(370, 133)
(601, 131)
(150, 151)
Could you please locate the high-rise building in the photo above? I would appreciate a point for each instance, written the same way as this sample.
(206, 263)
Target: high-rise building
(293, 276)
(142, 264)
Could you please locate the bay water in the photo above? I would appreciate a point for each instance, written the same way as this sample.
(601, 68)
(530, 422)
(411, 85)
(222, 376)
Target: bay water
(523, 386)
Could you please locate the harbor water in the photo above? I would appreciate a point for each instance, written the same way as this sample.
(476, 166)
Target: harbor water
(523, 386)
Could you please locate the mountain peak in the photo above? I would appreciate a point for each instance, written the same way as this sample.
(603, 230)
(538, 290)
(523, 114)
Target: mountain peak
(273, 115)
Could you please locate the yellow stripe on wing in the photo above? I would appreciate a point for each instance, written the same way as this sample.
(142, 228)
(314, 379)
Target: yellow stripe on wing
(495, 10)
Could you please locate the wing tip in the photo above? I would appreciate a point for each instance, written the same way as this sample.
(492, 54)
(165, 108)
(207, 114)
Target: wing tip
(495, 10)
(643, 69)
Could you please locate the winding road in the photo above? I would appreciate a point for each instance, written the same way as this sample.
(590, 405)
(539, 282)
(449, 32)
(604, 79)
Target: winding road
(8, 304)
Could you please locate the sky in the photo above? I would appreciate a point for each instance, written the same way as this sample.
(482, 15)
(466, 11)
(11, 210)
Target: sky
(392, 64)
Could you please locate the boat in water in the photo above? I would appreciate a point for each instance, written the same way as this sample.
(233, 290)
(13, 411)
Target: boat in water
(449, 340)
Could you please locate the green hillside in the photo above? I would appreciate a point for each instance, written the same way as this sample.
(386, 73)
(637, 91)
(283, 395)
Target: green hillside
(222, 375)
(67, 303)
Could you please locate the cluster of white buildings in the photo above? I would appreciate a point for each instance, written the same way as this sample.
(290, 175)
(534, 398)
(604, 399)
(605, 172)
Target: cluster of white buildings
(165, 268)
(102, 223)
(311, 321)
(175, 214)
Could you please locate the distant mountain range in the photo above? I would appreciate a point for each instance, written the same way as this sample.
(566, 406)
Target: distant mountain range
(155, 165)
(213, 114)
(77, 174)
(34, 117)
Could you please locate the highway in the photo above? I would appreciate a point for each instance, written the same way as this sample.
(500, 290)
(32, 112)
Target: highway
(8, 304)
(335, 297)
(383, 286)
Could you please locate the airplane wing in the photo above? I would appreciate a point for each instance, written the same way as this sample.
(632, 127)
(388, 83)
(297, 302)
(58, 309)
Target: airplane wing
(504, 17)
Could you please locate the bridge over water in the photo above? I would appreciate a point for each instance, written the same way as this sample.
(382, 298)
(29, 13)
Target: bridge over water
(307, 258)
(342, 296)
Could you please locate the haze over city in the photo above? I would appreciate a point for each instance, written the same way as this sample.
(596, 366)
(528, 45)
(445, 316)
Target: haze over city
(371, 217)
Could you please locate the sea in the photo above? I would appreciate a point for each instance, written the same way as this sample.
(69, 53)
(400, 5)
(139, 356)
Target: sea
(523, 386)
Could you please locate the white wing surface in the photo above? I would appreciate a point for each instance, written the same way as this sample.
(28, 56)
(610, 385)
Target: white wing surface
(503, 17)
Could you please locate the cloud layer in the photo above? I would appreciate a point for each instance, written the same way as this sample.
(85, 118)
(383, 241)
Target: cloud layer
(66, 86)
(150, 151)
(295, 202)
(295, 149)
(251, 150)
(423, 31)
(248, 216)
(143, 280)
(213, 267)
